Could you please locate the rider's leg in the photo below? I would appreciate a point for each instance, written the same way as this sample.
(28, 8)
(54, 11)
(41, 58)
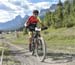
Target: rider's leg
(30, 40)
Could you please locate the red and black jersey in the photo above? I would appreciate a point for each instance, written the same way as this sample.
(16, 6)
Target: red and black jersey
(32, 20)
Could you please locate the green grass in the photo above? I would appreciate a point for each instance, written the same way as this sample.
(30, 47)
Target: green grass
(22, 39)
(56, 39)
(9, 60)
(60, 39)
(59, 34)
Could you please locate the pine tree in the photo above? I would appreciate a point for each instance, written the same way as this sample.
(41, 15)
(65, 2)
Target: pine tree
(64, 15)
(69, 14)
(47, 19)
(59, 15)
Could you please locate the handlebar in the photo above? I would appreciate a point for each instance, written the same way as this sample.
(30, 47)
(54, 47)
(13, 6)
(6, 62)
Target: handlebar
(44, 28)
(39, 29)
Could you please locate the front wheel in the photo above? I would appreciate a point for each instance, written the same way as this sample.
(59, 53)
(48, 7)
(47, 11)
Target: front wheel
(41, 49)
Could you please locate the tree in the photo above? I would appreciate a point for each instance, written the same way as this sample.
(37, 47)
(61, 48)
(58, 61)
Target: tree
(47, 19)
(58, 15)
(69, 14)
(64, 15)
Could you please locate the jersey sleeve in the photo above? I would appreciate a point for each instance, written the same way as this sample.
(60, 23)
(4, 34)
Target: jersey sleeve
(28, 21)
(29, 18)
(39, 19)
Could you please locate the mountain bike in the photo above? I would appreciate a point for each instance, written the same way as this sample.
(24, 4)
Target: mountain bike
(38, 45)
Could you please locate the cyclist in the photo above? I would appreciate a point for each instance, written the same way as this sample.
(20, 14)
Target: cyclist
(31, 23)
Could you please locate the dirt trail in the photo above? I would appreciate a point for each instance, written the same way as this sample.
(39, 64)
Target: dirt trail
(24, 56)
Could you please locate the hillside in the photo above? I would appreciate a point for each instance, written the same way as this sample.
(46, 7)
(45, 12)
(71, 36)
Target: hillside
(60, 40)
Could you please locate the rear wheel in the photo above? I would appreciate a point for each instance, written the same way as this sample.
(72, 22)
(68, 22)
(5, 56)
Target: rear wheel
(40, 49)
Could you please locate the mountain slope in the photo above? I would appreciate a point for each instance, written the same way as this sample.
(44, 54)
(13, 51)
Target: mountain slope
(14, 24)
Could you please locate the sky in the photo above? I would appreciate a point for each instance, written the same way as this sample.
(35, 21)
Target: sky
(35, 1)
(22, 7)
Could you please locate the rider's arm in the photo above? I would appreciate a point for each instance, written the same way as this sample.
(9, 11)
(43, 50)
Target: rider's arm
(27, 22)
(40, 21)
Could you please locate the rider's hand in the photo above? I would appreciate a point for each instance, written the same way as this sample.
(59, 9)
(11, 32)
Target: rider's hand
(25, 25)
(42, 24)
(44, 27)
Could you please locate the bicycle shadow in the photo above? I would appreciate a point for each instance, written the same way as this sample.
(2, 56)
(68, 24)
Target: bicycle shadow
(54, 58)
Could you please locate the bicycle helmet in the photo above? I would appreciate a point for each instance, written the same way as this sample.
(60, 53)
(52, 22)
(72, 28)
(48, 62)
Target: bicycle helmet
(36, 12)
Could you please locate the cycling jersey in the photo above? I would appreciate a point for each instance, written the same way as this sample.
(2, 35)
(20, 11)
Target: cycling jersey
(33, 20)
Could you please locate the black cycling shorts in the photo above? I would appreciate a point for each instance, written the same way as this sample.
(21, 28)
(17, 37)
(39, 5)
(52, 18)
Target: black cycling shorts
(32, 27)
